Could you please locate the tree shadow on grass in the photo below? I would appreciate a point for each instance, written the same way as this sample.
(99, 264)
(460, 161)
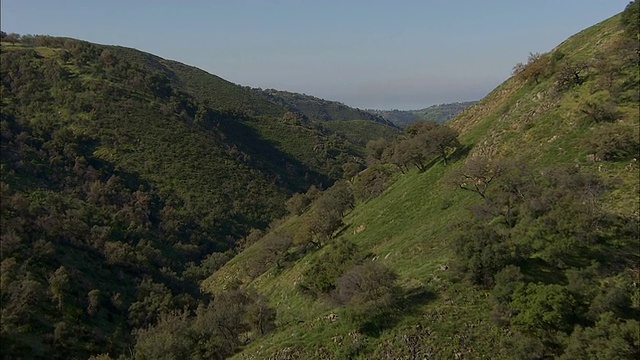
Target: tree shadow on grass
(460, 153)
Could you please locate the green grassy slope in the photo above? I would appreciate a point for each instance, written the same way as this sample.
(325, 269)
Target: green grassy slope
(412, 226)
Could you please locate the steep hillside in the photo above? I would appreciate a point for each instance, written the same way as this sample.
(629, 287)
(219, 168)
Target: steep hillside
(438, 113)
(127, 178)
(525, 245)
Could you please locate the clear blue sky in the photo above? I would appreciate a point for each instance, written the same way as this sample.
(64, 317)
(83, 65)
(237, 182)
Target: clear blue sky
(369, 54)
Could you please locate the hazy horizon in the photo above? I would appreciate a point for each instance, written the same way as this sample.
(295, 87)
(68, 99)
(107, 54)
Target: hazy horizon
(371, 55)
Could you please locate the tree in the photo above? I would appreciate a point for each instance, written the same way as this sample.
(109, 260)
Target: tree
(570, 74)
(351, 169)
(369, 282)
(477, 174)
(536, 67)
(323, 223)
(610, 338)
(615, 142)
(93, 302)
(413, 151)
(371, 182)
(600, 110)
(375, 150)
(59, 285)
(442, 140)
(482, 252)
(297, 203)
(541, 309)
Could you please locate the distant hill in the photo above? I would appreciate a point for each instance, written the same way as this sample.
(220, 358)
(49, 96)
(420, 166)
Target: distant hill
(319, 109)
(438, 113)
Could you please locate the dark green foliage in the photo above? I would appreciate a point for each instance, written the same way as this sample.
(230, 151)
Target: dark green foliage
(506, 283)
(609, 338)
(321, 276)
(529, 225)
(213, 332)
(124, 178)
(540, 308)
(484, 252)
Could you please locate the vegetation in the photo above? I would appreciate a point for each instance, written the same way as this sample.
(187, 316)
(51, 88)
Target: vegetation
(437, 113)
(523, 245)
(125, 183)
(144, 219)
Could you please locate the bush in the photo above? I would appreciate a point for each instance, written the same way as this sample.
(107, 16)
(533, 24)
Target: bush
(321, 277)
(370, 292)
(370, 282)
(599, 111)
(482, 253)
(615, 143)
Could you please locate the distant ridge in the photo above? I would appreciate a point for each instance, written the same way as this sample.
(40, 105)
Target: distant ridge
(438, 113)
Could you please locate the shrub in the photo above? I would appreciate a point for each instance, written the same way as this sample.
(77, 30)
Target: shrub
(482, 253)
(615, 143)
(600, 111)
(320, 278)
(370, 282)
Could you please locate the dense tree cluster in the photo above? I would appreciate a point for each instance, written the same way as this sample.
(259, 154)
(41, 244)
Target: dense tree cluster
(424, 142)
(531, 224)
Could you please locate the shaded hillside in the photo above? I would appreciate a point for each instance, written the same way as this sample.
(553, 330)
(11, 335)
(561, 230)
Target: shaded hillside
(126, 179)
(524, 245)
(438, 113)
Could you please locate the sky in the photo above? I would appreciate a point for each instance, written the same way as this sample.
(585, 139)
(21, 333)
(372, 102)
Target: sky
(371, 54)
